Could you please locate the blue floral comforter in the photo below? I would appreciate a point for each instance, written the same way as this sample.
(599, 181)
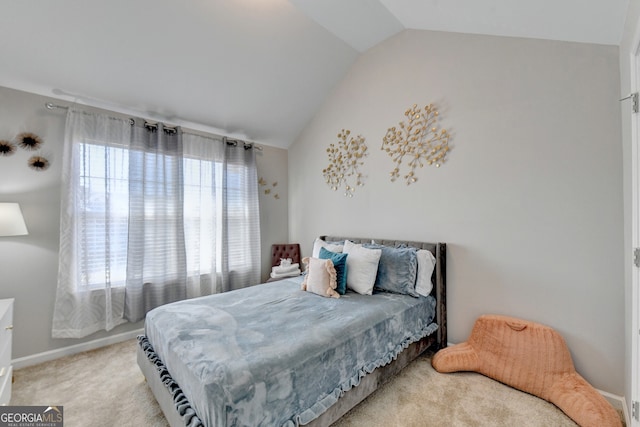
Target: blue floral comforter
(273, 355)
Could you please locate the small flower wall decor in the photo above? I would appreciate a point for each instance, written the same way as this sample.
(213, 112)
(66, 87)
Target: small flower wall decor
(29, 141)
(267, 191)
(38, 163)
(7, 148)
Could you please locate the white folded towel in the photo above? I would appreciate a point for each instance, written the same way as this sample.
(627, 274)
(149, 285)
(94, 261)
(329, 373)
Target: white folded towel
(292, 273)
(279, 269)
(285, 262)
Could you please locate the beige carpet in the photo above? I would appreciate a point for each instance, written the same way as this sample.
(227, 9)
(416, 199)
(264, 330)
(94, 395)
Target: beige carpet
(105, 388)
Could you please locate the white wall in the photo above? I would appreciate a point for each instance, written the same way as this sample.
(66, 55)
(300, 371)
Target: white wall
(29, 264)
(631, 30)
(530, 200)
(274, 213)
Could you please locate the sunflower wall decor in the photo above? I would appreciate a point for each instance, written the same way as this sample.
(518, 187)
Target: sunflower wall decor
(345, 159)
(29, 141)
(7, 148)
(38, 163)
(419, 141)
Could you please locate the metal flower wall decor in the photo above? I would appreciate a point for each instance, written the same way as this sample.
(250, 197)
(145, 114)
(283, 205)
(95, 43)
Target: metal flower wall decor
(418, 141)
(345, 159)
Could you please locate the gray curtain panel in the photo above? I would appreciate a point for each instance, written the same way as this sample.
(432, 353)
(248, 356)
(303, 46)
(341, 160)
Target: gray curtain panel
(157, 261)
(240, 219)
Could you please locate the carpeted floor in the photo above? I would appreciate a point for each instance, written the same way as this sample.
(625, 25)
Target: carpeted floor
(105, 388)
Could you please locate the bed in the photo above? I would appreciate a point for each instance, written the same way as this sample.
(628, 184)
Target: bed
(273, 355)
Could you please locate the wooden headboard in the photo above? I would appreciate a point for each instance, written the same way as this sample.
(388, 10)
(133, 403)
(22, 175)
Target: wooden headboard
(439, 277)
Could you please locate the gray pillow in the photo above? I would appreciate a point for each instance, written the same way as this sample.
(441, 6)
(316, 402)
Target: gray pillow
(397, 269)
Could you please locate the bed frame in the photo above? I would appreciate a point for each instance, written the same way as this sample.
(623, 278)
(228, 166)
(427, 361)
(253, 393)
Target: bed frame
(369, 383)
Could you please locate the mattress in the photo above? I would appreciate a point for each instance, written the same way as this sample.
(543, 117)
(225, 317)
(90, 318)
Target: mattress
(273, 355)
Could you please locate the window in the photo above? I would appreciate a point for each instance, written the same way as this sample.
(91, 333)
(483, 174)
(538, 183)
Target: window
(104, 185)
(162, 214)
(104, 214)
(201, 196)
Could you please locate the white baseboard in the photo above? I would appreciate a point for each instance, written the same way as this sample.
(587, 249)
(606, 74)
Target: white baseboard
(626, 412)
(616, 401)
(34, 359)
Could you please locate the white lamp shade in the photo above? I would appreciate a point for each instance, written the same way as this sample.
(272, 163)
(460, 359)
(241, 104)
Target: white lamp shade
(11, 220)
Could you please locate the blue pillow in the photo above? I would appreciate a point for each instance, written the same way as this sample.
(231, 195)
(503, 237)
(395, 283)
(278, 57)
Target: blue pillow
(340, 264)
(397, 270)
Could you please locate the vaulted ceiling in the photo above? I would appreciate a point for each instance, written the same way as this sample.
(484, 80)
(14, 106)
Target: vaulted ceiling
(253, 69)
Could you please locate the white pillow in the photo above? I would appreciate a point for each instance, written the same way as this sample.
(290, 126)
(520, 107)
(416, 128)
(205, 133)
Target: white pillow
(426, 264)
(362, 267)
(317, 244)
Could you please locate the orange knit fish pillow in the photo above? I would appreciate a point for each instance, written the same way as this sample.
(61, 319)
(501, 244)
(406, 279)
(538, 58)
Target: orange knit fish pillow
(530, 357)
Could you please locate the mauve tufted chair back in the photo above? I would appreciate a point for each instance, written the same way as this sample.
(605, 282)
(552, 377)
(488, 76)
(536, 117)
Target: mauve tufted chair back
(285, 250)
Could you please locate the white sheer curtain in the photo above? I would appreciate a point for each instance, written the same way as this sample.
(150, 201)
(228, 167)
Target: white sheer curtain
(211, 205)
(202, 194)
(93, 225)
(222, 215)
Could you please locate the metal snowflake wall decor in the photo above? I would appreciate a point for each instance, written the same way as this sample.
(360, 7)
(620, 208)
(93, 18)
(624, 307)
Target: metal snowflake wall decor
(419, 141)
(345, 159)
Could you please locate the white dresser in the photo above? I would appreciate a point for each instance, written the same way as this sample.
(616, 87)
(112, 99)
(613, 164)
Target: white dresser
(6, 333)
